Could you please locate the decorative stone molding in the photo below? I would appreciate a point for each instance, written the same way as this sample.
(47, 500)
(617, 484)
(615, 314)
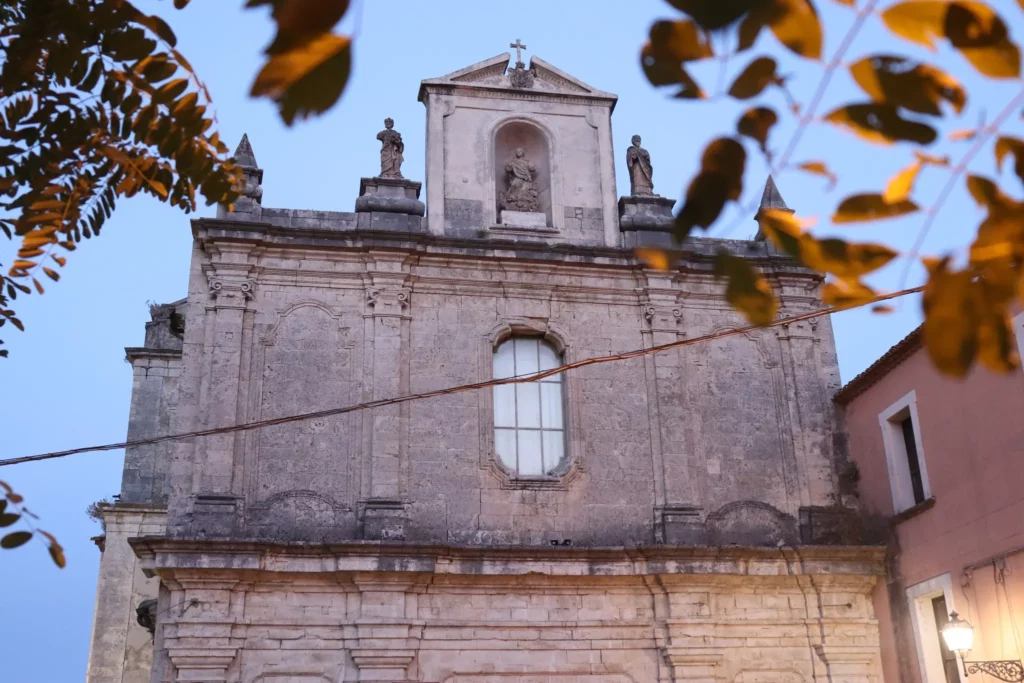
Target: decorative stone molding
(388, 299)
(222, 288)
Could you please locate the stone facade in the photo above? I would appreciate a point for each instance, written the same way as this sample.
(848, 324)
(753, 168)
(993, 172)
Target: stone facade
(694, 530)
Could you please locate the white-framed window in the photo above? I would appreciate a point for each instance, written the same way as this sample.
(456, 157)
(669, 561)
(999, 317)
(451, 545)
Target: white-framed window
(529, 426)
(930, 603)
(904, 454)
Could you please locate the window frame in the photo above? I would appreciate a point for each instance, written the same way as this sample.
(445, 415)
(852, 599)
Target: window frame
(573, 458)
(562, 430)
(897, 459)
(927, 639)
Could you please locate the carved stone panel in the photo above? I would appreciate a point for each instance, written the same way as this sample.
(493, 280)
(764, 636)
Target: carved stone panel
(303, 469)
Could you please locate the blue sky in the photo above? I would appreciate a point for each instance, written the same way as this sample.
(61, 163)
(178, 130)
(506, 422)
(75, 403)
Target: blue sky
(66, 382)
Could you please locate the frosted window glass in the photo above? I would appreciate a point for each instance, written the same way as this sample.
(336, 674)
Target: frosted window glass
(503, 356)
(505, 447)
(554, 448)
(551, 405)
(528, 405)
(526, 356)
(529, 453)
(548, 358)
(505, 406)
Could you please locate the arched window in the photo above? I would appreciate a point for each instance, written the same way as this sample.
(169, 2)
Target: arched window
(529, 431)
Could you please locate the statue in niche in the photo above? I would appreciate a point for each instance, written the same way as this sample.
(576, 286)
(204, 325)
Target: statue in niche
(521, 194)
(641, 173)
(391, 149)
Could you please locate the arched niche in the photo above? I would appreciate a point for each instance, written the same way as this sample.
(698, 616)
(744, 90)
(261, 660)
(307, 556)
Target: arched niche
(534, 141)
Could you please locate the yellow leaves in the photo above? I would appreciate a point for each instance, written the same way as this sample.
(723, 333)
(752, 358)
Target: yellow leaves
(756, 123)
(746, 289)
(872, 207)
(838, 257)
(308, 79)
(794, 23)
(719, 180)
(658, 259)
(1009, 145)
(819, 168)
(901, 185)
(712, 16)
(966, 318)
(971, 27)
(1000, 237)
(904, 83)
(881, 123)
(307, 66)
(678, 41)
(847, 293)
(758, 75)
(672, 43)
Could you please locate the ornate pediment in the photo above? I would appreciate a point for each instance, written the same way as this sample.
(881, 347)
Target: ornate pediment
(499, 73)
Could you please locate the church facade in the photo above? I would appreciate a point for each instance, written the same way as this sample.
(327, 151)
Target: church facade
(678, 516)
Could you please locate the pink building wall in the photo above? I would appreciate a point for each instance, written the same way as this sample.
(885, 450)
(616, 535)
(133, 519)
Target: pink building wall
(972, 444)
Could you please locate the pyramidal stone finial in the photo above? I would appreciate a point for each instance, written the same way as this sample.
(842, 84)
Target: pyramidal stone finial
(244, 155)
(771, 198)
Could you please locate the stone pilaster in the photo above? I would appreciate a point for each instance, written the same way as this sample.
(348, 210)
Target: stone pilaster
(387, 632)
(232, 290)
(388, 301)
(122, 649)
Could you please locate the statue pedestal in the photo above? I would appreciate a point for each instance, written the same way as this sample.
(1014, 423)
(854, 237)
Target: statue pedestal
(524, 219)
(389, 204)
(646, 220)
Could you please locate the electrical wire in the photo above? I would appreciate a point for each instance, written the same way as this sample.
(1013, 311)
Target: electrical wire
(522, 379)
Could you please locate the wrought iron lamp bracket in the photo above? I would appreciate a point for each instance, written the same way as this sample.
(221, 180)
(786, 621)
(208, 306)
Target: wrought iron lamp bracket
(1009, 670)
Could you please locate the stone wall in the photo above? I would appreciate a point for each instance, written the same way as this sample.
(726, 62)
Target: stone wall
(730, 441)
(395, 613)
(122, 650)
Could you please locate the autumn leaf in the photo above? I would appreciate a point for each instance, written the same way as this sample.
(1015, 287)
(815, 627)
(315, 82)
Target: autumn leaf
(746, 289)
(881, 123)
(758, 75)
(971, 27)
(794, 23)
(308, 79)
(838, 257)
(756, 124)
(846, 293)
(678, 41)
(712, 16)
(1010, 145)
(719, 180)
(301, 21)
(904, 83)
(669, 72)
(901, 185)
(15, 539)
(871, 207)
(657, 258)
(950, 319)
(819, 168)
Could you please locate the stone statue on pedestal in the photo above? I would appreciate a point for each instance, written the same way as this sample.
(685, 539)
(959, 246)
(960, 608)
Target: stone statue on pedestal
(521, 194)
(390, 151)
(641, 173)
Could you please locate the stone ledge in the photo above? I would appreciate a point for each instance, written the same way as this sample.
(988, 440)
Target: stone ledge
(160, 553)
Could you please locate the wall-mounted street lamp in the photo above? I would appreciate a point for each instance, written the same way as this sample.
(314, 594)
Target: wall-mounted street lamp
(959, 637)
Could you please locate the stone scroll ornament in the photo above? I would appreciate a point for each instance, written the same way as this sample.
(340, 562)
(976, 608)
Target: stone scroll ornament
(521, 195)
(391, 149)
(641, 173)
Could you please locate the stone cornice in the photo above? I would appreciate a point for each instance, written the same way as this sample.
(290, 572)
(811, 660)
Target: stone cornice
(699, 251)
(164, 554)
(134, 353)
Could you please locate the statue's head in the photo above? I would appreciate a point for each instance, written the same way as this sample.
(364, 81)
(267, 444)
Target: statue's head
(389, 124)
(636, 140)
(520, 152)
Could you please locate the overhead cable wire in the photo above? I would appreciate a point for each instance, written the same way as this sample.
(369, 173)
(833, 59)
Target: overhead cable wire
(519, 379)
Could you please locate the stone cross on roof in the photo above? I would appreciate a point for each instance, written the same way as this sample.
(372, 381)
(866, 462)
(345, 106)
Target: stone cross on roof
(518, 45)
